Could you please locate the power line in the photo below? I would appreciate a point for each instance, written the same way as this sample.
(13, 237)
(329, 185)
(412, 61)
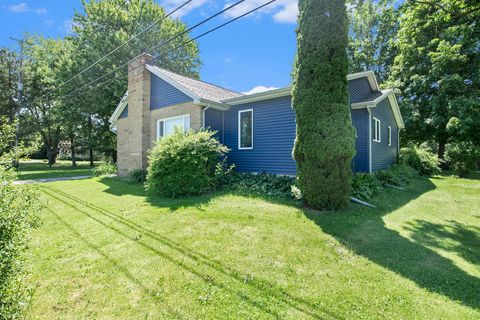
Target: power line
(163, 43)
(173, 49)
(119, 47)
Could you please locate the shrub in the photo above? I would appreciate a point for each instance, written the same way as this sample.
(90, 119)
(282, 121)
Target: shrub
(105, 169)
(325, 140)
(262, 184)
(183, 164)
(17, 205)
(462, 157)
(138, 176)
(365, 186)
(425, 162)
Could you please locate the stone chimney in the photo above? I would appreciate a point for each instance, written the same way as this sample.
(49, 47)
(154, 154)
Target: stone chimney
(133, 137)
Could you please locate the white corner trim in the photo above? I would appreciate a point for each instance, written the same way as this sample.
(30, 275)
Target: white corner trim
(239, 131)
(120, 107)
(158, 73)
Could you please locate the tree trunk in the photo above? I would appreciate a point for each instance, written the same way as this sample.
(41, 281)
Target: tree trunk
(441, 149)
(90, 150)
(72, 150)
(114, 157)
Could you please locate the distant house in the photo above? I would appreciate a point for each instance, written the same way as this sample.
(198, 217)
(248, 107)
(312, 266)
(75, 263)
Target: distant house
(259, 129)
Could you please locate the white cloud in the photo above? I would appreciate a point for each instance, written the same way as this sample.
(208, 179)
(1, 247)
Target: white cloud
(259, 89)
(170, 5)
(282, 11)
(41, 11)
(48, 22)
(19, 7)
(228, 60)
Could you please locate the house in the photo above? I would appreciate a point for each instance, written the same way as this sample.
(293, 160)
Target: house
(259, 129)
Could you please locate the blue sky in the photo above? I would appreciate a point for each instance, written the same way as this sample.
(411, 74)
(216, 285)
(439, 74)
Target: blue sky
(254, 52)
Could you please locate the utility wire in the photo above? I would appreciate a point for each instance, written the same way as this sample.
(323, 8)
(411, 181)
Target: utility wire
(166, 42)
(119, 47)
(173, 49)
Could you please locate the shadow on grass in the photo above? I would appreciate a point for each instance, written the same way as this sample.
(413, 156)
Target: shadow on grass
(364, 232)
(120, 187)
(257, 292)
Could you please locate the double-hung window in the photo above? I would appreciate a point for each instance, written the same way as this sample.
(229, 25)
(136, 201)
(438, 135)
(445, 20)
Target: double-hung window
(377, 128)
(245, 129)
(389, 136)
(168, 125)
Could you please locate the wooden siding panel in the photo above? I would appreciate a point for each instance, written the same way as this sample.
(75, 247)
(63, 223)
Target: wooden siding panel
(383, 155)
(164, 95)
(273, 137)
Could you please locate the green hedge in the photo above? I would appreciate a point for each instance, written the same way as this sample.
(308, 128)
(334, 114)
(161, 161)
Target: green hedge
(420, 159)
(462, 157)
(182, 164)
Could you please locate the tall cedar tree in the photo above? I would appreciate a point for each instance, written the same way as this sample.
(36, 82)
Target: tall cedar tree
(324, 145)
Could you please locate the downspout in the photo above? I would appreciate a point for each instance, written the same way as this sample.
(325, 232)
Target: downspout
(369, 140)
(203, 115)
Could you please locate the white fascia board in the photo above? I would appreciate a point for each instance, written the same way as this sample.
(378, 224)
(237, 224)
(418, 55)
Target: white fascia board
(369, 75)
(393, 103)
(277, 93)
(120, 107)
(196, 98)
(212, 104)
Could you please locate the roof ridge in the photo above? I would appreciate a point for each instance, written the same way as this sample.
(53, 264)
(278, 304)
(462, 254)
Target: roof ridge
(209, 83)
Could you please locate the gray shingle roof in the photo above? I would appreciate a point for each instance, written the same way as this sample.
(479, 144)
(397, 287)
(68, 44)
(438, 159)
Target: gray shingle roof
(371, 97)
(202, 89)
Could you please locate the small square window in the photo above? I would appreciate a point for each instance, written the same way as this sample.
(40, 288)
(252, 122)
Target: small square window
(167, 126)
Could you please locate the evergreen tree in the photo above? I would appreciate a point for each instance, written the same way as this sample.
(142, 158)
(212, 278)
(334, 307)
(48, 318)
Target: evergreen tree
(324, 146)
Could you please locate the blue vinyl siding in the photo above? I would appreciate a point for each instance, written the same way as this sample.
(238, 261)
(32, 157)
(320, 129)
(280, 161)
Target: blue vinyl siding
(124, 113)
(359, 89)
(214, 122)
(273, 137)
(164, 95)
(360, 119)
(384, 155)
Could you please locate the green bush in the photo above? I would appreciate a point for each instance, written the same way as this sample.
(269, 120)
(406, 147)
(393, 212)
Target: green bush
(105, 169)
(138, 176)
(261, 184)
(325, 139)
(17, 207)
(420, 159)
(183, 164)
(462, 157)
(365, 186)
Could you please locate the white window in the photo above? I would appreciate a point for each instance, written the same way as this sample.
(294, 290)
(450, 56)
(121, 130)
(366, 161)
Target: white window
(245, 129)
(377, 137)
(168, 125)
(389, 136)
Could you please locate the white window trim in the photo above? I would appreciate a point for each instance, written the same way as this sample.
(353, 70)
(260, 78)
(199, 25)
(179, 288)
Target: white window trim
(389, 135)
(375, 121)
(239, 131)
(183, 116)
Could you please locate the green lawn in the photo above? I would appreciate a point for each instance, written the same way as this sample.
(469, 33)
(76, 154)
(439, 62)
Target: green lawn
(41, 170)
(108, 250)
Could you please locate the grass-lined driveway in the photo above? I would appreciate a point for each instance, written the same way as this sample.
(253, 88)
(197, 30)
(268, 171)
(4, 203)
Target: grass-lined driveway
(41, 170)
(108, 250)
